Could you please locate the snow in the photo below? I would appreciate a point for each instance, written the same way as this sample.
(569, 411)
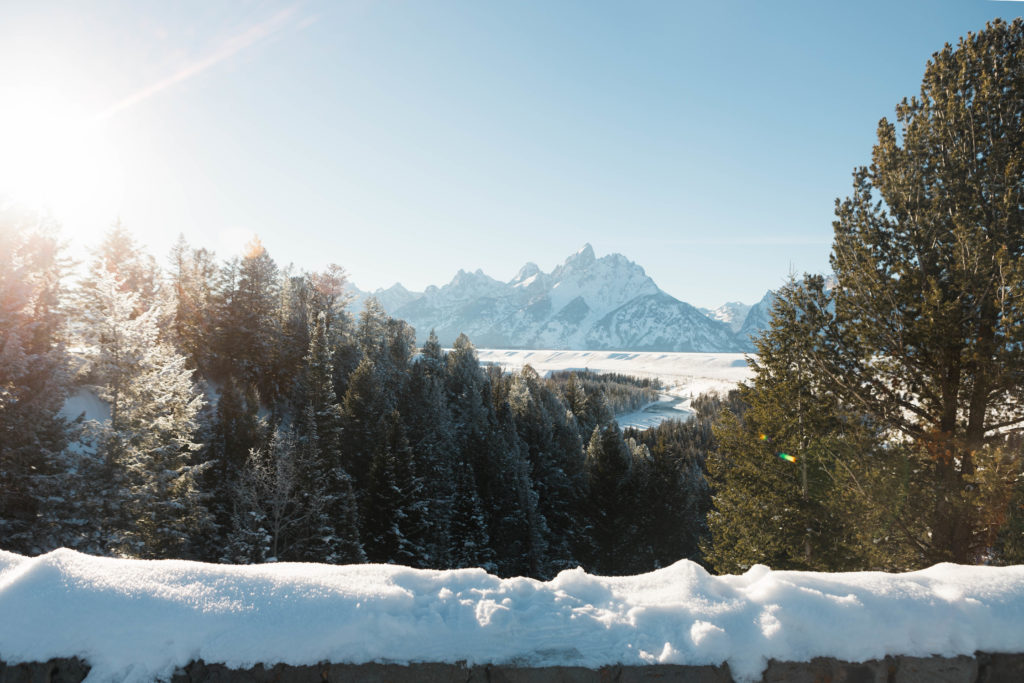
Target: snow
(84, 402)
(685, 376)
(136, 620)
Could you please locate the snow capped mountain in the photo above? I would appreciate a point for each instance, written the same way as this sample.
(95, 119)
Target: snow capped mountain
(732, 313)
(759, 317)
(585, 303)
(391, 298)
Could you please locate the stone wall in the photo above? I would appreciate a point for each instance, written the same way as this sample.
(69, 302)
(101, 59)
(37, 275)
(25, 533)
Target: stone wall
(982, 668)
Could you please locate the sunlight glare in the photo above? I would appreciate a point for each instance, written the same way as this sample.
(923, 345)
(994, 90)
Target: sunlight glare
(56, 159)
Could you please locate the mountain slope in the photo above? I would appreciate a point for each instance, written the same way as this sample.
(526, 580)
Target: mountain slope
(733, 313)
(759, 317)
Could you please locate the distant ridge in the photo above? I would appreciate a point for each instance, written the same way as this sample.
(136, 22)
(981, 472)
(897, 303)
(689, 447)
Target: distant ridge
(586, 303)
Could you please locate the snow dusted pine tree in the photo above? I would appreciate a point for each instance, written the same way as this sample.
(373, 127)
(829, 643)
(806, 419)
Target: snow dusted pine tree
(612, 500)
(152, 504)
(395, 522)
(333, 526)
(428, 421)
(33, 380)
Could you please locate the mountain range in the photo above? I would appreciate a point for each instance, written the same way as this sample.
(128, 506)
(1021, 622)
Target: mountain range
(591, 303)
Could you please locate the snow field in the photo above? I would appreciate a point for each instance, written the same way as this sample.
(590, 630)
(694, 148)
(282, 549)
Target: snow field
(136, 620)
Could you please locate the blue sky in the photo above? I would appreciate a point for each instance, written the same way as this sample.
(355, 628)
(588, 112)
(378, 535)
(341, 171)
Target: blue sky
(707, 141)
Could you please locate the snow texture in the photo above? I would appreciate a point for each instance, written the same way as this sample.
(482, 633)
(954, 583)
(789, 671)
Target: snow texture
(733, 313)
(136, 620)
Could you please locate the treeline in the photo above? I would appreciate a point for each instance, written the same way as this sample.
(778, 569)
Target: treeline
(252, 419)
(622, 393)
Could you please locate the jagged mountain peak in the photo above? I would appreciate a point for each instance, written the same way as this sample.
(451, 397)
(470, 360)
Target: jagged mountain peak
(529, 270)
(584, 256)
(732, 313)
(396, 288)
(465, 278)
(585, 303)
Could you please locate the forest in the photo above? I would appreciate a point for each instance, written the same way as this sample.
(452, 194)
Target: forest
(252, 419)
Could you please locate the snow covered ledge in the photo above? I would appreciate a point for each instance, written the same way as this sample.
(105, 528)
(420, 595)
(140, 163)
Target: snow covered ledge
(130, 620)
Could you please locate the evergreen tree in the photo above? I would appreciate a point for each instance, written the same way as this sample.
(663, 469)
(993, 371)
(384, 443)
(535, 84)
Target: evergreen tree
(776, 473)
(928, 333)
(235, 432)
(611, 502)
(363, 408)
(428, 424)
(33, 380)
(517, 530)
(136, 271)
(469, 543)
(247, 323)
(191, 285)
(294, 324)
(675, 497)
(322, 470)
(395, 521)
(146, 444)
(555, 455)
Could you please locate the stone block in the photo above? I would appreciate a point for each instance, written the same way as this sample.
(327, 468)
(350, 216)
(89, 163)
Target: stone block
(673, 673)
(1000, 668)
(827, 670)
(935, 669)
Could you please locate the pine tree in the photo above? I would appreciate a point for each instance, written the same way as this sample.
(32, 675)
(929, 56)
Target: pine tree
(674, 495)
(778, 473)
(395, 521)
(33, 380)
(247, 320)
(428, 423)
(612, 501)
(929, 250)
(191, 285)
(322, 470)
(363, 409)
(136, 271)
(470, 544)
(146, 445)
(517, 530)
(555, 455)
(235, 432)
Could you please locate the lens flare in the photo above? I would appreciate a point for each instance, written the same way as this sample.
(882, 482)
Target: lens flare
(787, 457)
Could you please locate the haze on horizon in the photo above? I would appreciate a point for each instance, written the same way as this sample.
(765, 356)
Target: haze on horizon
(706, 142)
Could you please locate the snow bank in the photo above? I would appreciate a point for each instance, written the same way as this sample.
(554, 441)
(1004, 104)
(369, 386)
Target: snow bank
(138, 620)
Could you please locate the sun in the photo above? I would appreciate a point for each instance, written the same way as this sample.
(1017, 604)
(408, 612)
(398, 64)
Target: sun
(58, 159)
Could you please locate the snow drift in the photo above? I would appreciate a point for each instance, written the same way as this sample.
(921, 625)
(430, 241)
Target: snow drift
(137, 620)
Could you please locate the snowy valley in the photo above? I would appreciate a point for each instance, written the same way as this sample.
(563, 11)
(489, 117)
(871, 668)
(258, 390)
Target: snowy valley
(684, 376)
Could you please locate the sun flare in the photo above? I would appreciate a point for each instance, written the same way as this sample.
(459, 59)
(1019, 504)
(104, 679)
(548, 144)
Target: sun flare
(57, 159)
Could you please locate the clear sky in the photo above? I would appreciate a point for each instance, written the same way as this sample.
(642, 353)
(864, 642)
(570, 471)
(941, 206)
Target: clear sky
(407, 139)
